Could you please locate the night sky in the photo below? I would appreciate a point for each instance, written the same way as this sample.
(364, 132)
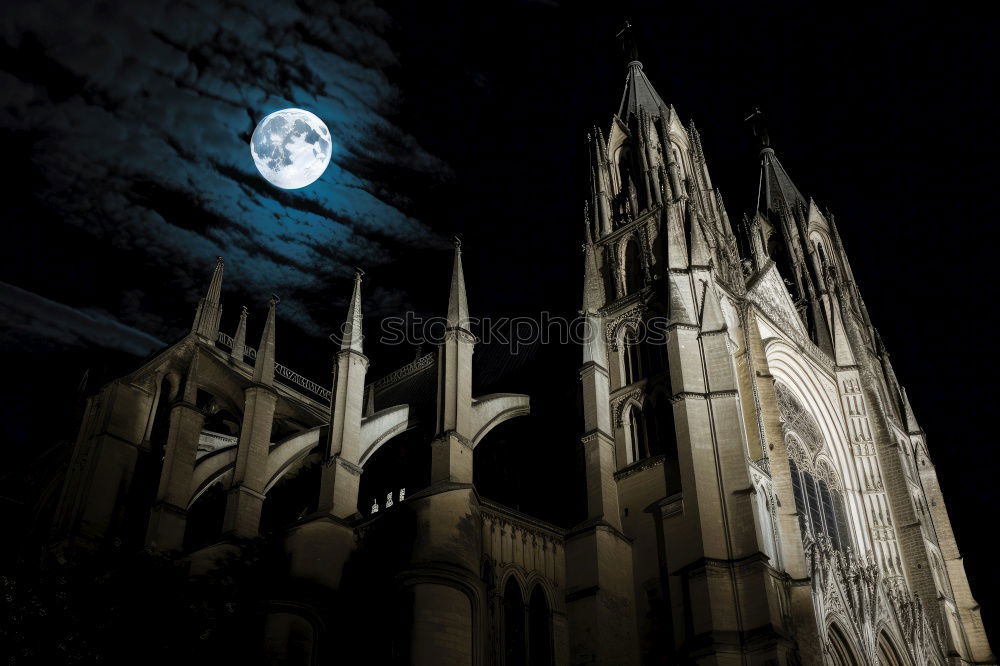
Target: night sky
(125, 129)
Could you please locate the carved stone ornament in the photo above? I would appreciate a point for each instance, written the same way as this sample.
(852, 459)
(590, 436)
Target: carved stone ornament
(632, 317)
(622, 401)
(795, 419)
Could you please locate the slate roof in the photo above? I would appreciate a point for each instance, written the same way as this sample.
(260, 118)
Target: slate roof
(639, 94)
(776, 188)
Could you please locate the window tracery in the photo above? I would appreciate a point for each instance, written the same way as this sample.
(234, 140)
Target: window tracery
(816, 487)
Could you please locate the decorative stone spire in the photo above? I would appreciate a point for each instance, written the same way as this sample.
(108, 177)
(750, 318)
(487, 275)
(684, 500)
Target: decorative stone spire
(458, 302)
(353, 337)
(206, 318)
(240, 339)
(912, 427)
(263, 370)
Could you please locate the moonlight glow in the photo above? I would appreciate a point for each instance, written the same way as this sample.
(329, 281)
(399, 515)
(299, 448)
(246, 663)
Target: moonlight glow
(291, 148)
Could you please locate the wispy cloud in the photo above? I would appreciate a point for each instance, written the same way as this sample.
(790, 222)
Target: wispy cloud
(28, 315)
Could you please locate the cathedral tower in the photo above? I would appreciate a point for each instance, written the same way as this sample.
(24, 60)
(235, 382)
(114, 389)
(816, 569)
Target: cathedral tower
(766, 465)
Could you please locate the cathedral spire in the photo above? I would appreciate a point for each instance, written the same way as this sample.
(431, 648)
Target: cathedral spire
(240, 339)
(206, 318)
(639, 92)
(263, 369)
(775, 188)
(458, 302)
(352, 338)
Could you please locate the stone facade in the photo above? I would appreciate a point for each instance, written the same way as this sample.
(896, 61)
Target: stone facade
(758, 489)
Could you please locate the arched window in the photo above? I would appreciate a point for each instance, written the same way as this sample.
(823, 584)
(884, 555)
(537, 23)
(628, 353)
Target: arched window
(632, 358)
(637, 434)
(814, 484)
(626, 203)
(634, 277)
(841, 653)
(513, 625)
(829, 514)
(539, 629)
(822, 505)
(822, 255)
(888, 655)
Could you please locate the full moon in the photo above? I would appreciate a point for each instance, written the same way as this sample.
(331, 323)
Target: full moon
(291, 148)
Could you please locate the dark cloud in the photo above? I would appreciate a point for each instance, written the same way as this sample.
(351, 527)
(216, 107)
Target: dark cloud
(139, 116)
(28, 316)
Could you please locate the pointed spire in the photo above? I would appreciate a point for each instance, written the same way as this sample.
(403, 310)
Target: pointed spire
(240, 339)
(263, 369)
(776, 188)
(458, 302)
(353, 337)
(712, 318)
(912, 426)
(695, 137)
(639, 92)
(842, 351)
(206, 318)
(701, 254)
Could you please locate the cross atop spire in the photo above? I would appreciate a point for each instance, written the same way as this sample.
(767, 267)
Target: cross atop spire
(627, 36)
(639, 92)
(759, 127)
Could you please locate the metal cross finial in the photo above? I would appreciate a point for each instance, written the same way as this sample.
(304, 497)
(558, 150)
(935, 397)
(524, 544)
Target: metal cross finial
(628, 41)
(457, 242)
(275, 299)
(759, 126)
(358, 274)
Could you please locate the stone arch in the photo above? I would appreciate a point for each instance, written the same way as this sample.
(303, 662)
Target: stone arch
(636, 436)
(841, 648)
(623, 328)
(888, 654)
(514, 629)
(825, 470)
(292, 496)
(539, 627)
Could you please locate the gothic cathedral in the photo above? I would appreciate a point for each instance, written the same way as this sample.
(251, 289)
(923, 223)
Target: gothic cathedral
(758, 490)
